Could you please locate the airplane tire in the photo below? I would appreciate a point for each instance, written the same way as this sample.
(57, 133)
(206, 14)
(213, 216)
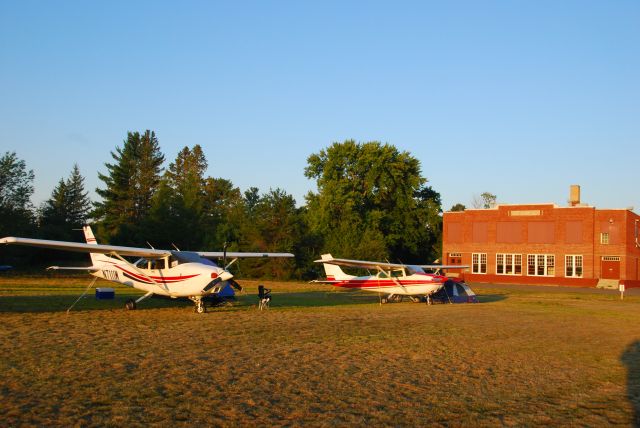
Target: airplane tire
(130, 305)
(201, 309)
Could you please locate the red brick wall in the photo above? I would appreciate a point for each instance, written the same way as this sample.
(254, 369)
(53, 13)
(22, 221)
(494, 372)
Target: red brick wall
(543, 229)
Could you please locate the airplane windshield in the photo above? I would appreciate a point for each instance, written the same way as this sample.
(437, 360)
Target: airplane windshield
(411, 270)
(191, 257)
(141, 263)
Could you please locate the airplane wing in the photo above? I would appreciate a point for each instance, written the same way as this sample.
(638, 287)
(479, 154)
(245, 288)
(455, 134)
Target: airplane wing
(86, 248)
(444, 266)
(231, 255)
(384, 266)
(360, 263)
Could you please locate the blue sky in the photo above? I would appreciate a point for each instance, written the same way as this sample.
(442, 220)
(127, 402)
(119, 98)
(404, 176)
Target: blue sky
(518, 98)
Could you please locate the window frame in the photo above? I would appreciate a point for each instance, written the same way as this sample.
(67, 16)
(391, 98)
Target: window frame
(548, 269)
(477, 265)
(515, 263)
(574, 265)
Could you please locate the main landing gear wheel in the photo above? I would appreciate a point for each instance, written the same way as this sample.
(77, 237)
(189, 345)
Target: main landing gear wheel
(130, 305)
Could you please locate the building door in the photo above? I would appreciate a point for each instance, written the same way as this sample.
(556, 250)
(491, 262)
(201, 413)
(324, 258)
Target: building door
(610, 267)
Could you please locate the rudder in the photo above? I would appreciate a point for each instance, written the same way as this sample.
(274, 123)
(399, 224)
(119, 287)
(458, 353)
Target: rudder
(333, 272)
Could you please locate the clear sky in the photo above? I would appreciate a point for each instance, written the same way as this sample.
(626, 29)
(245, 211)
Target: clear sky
(518, 98)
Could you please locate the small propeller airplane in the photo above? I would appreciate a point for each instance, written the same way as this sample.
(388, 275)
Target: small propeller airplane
(190, 274)
(392, 281)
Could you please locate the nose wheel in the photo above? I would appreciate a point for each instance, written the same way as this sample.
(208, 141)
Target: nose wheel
(200, 307)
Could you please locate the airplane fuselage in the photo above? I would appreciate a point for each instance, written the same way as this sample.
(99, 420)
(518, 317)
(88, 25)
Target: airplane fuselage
(183, 280)
(417, 284)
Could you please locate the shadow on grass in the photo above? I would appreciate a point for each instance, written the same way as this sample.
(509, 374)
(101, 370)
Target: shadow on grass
(491, 298)
(311, 299)
(631, 359)
(61, 302)
(305, 299)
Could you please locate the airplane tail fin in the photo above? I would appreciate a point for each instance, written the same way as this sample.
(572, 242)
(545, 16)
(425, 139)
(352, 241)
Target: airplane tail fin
(88, 235)
(96, 258)
(334, 272)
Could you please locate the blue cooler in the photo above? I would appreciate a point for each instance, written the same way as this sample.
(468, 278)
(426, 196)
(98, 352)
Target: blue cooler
(105, 293)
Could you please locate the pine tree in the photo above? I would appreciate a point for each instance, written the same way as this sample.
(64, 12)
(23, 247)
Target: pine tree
(67, 208)
(180, 203)
(130, 185)
(78, 202)
(53, 214)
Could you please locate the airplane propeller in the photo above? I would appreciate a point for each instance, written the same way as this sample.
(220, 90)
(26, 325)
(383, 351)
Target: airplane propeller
(224, 254)
(235, 285)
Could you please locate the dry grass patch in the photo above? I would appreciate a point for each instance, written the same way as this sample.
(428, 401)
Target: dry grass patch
(320, 358)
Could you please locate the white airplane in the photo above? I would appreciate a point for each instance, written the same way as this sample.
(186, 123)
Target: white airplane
(169, 273)
(392, 280)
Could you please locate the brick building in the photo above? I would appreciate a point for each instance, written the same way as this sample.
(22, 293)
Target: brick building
(545, 244)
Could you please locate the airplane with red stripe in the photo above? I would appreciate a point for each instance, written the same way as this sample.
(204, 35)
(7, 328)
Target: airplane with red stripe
(392, 281)
(190, 274)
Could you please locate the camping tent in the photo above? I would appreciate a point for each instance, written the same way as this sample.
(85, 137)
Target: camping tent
(454, 291)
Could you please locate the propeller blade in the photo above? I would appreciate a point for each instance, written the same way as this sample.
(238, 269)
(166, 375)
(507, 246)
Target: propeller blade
(212, 284)
(235, 285)
(224, 254)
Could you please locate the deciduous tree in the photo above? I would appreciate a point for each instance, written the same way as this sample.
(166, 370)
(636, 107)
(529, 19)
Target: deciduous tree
(372, 202)
(16, 188)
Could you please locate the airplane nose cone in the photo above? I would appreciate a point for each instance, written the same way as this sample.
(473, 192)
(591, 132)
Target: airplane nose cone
(225, 276)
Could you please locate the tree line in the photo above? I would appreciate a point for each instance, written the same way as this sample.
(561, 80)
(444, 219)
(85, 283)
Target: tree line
(371, 203)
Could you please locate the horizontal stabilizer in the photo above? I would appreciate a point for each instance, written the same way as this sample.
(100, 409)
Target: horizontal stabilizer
(89, 268)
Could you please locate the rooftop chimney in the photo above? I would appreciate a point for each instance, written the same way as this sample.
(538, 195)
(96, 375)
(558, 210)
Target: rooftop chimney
(574, 195)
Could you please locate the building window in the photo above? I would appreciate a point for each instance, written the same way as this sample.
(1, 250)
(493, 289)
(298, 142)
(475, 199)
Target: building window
(541, 265)
(455, 258)
(573, 266)
(604, 238)
(479, 263)
(509, 264)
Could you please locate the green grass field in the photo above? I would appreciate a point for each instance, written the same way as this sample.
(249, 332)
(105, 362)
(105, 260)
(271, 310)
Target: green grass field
(318, 357)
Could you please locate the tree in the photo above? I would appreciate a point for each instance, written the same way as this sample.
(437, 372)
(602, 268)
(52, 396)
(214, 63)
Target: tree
(372, 202)
(185, 178)
(67, 208)
(458, 207)
(78, 202)
(223, 213)
(486, 200)
(271, 226)
(16, 188)
(130, 185)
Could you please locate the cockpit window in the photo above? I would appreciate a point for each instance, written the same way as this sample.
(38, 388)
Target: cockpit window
(411, 270)
(398, 273)
(190, 257)
(141, 263)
